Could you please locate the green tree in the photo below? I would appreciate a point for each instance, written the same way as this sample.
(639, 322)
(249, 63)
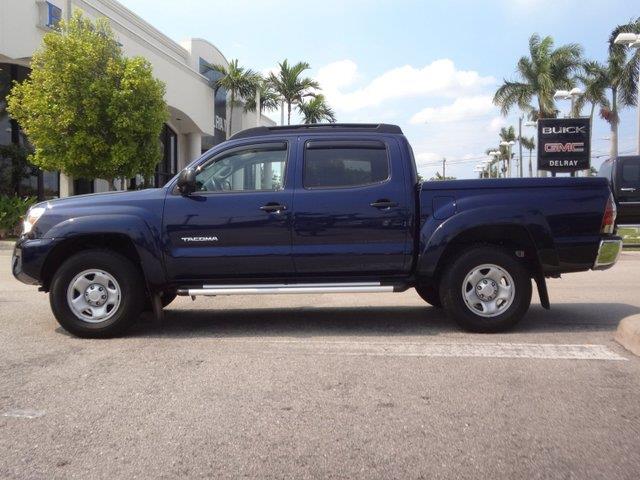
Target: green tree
(89, 111)
(622, 75)
(529, 143)
(269, 99)
(291, 86)
(545, 70)
(239, 82)
(316, 110)
(439, 178)
(14, 168)
(507, 134)
(595, 80)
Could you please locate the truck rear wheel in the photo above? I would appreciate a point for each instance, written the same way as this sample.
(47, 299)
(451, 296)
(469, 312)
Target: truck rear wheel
(97, 294)
(486, 290)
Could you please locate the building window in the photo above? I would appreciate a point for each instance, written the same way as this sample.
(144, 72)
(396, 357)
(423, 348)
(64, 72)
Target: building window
(50, 15)
(17, 176)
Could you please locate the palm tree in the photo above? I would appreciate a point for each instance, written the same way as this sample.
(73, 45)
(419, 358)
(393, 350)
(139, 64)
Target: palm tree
(622, 75)
(291, 87)
(540, 74)
(269, 99)
(530, 144)
(239, 82)
(595, 80)
(507, 134)
(316, 110)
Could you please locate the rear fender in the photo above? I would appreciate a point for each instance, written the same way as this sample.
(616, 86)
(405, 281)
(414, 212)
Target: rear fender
(436, 236)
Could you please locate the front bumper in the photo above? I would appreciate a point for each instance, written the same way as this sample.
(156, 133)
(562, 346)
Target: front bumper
(608, 253)
(28, 258)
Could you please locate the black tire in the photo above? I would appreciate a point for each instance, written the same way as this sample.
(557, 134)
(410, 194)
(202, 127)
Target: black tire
(455, 304)
(132, 293)
(429, 294)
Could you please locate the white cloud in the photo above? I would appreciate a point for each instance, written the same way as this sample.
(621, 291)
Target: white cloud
(439, 78)
(496, 124)
(463, 108)
(336, 75)
(425, 157)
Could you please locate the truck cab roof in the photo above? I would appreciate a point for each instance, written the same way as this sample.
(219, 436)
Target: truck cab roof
(319, 128)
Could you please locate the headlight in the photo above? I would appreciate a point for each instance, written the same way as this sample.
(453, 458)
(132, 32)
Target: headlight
(32, 217)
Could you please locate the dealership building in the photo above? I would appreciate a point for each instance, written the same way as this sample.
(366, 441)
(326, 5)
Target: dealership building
(197, 114)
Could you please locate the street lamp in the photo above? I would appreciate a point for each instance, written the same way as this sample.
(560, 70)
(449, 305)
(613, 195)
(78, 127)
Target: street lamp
(509, 145)
(572, 95)
(632, 40)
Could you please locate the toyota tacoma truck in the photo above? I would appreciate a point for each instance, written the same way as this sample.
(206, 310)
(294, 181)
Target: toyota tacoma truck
(314, 209)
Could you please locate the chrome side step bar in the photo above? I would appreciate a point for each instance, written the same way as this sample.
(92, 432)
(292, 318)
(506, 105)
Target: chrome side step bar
(284, 288)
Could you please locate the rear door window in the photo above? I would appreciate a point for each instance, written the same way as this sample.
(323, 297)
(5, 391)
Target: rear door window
(342, 164)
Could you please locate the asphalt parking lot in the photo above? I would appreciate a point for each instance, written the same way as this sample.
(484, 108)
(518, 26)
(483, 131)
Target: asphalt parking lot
(325, 386)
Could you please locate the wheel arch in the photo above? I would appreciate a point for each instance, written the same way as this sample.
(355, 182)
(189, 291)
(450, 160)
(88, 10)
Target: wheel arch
(447, 241)
(117, 242)
(127, 234)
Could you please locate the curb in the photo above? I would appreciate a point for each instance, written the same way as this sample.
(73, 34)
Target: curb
(628, 334)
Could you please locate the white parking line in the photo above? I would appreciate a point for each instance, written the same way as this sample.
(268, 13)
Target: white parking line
(18, 413)
(414, 349)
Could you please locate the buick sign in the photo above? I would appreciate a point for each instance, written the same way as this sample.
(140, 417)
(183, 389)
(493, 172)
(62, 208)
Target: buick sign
(564, 144)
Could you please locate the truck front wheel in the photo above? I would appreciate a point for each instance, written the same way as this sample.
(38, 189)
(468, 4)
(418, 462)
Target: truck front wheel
(97, 294)
(486, 290)
(429, 294)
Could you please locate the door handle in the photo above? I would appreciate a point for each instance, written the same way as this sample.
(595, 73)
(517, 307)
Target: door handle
(628, 189)
(273, 207)
(383, 203)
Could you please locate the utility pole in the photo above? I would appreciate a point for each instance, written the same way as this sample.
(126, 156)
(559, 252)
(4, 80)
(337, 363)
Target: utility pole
(520, 145)
(444, 162)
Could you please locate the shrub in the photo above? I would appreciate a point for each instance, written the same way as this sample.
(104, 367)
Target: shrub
(12, 210)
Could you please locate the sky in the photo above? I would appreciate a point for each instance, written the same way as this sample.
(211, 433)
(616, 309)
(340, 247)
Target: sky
(430, 67)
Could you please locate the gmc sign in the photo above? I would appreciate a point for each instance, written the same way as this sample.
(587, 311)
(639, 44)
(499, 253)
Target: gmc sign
(564, 144)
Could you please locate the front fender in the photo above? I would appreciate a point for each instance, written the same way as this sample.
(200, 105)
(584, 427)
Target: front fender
(436, 235)
(144, 237)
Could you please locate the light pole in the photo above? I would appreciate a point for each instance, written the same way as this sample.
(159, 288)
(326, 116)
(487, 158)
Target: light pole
(632, 40)
(486, 166)
(520, 118)
(572, 95)
(509, 146)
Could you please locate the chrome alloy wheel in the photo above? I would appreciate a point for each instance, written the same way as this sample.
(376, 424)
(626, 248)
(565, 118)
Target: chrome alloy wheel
(93, 296)
(488, 290)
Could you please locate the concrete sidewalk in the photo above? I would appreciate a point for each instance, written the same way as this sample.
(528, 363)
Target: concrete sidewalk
(7, 244)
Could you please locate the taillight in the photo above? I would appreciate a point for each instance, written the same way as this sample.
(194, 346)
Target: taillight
(609, 218)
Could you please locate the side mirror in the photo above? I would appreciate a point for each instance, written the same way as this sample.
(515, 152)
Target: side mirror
(187, 181)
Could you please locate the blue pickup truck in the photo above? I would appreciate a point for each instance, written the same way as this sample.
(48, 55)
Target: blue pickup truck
(315, 209)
